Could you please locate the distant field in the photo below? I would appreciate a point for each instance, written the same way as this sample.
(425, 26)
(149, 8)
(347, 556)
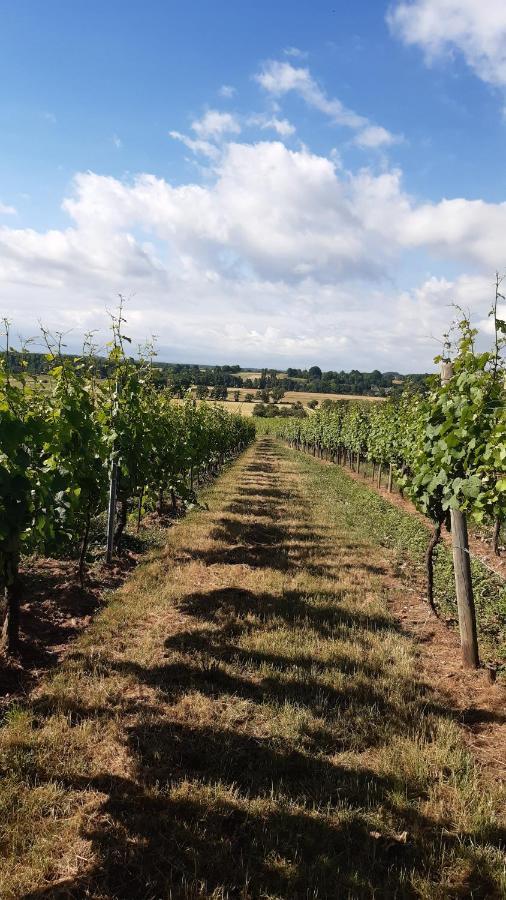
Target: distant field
(304, 396)
(244, 375)
(290, 397)
(246, 409)
(252, 375)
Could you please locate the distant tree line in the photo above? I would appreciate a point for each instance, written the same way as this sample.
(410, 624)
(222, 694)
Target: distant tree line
(314, 380)
(180, 377)
(368, 384)
(375, 383)
(267, 410)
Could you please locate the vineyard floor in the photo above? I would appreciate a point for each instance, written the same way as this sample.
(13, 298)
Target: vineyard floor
(480, 549)
(395, 522)
(54, 611)
(263, 710)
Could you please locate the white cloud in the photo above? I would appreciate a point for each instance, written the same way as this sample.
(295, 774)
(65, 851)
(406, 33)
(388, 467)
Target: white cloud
(227, 91)
(118, 143)
(468, 230)
(436, 299)
(279, 78)
(214, 124)
(295, 52)
(476, 30)
(281, 126)
(6, 210)
(210, 130)
(374, 136)
(280, 256)
(205, 148)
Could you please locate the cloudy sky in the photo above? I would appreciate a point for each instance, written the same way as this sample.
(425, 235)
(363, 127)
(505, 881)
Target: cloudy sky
(280, 183)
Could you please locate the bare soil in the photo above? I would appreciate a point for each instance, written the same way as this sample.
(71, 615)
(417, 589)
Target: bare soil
(479, 706)
(54, 611)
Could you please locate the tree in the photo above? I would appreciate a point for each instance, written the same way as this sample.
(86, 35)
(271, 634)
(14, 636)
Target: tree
(277, 393)
(219, 392)
(315, 373)
(297, 410)
(312, 404)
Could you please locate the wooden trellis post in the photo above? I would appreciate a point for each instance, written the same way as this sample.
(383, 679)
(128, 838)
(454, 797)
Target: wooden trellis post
(113, 485)
(111, 512)
(462, 571)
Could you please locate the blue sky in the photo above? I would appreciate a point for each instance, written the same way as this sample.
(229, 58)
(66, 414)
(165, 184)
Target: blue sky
(270, 183)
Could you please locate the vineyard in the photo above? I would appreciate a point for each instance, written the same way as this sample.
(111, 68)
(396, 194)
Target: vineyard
(446, 451)
(73, 444)
(252, 450)
(266, 706)
(99, 439)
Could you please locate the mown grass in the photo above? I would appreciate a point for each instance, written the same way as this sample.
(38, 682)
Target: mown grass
(387, 524)
(245, 720)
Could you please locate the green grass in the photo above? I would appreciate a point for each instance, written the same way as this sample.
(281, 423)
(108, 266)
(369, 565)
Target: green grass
(246, 720)
(402, 531)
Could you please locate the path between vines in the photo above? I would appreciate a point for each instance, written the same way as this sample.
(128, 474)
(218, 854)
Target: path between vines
(264, 710)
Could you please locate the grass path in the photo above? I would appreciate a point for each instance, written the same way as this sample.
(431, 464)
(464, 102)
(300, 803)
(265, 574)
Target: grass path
(246, 720)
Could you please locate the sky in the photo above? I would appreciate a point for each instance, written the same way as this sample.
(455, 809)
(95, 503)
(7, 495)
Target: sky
(279, 183)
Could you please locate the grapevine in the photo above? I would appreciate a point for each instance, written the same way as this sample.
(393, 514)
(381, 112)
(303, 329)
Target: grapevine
(59, 439)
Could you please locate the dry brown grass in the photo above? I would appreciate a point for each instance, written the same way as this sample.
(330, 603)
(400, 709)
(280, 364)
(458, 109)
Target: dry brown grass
(245, 720)
(246, 408)
(305, 396)
(280, 376)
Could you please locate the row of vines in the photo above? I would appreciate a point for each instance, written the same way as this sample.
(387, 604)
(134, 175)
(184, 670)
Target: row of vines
(446, 448)
(62, 438)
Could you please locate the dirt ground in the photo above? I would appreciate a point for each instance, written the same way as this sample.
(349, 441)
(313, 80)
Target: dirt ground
(54, 611)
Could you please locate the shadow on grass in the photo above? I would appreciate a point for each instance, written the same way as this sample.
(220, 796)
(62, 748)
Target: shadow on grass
(325, 616)
(276, 546)
(219, 814)
(181, 844)
(232, 811)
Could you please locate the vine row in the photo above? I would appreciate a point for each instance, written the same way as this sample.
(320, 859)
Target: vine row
(62, 436)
